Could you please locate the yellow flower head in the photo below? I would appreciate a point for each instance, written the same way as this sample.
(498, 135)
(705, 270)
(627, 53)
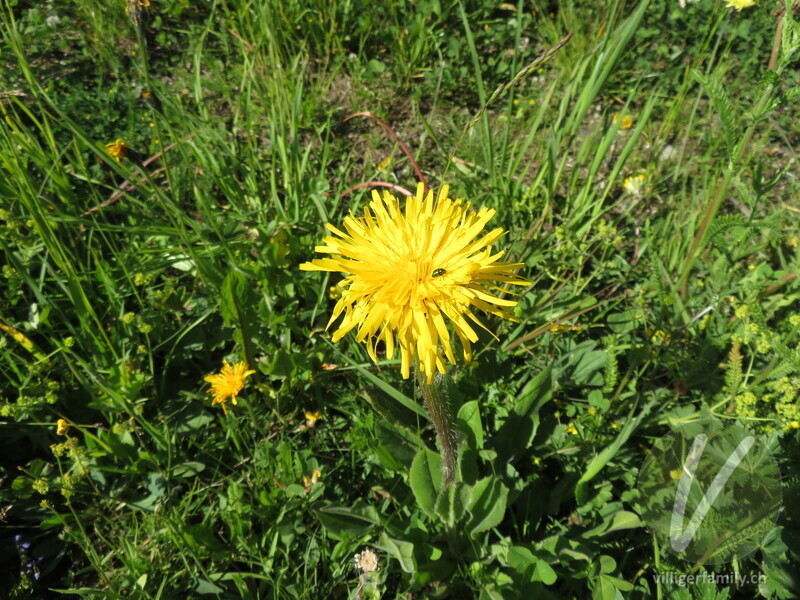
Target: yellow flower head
(739, 4)
(117, 149)
(385, 164)
(310, 481)
(634, 184)
(407, 273)
(660, 338)
(228, 383)
(311, 418)
(625, 121)
(61, 427)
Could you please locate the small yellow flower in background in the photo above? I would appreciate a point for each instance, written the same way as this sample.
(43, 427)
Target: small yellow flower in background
(117, 149)
(152, 101)
(408, 274)
(228, 383)
(309, 481)
(660, 338)
(675, 474)
(634, 184)
(739, 4)
(311, 418)
(571, 429)
(384, 164)
(61, 427)
(625, 121)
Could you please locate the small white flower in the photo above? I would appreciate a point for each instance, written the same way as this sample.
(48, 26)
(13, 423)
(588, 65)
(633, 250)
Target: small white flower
(366, 561)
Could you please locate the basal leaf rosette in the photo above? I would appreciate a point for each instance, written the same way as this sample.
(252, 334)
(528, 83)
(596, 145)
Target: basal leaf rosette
(408, 275)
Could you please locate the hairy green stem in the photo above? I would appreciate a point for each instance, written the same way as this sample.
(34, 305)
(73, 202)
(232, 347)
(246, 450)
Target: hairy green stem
(439, 411)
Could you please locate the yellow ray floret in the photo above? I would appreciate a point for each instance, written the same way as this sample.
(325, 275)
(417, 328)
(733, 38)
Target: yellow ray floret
(408, 275)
